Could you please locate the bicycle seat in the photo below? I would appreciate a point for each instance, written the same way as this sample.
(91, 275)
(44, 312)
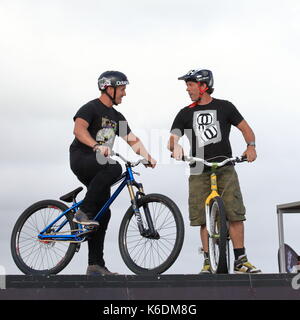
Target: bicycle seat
(71, 195)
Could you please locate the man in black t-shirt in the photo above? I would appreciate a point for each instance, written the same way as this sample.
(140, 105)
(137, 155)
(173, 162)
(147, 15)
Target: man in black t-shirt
(207, 123)
(96, 125)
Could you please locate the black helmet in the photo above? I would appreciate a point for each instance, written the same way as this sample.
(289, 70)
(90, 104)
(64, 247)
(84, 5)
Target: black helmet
(112, 79)
(199, 75)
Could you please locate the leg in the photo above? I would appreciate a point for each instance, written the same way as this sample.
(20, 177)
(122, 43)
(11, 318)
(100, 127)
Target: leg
(204, 237)
(96, 242)
(235, 209)
(204, 240)
(199, 189)
(230, 191)
(236, 231)
(96, 197)
(98, 187)
(98, 179)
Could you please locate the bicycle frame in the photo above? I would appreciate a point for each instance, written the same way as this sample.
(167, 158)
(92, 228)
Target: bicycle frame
(213, 180)
(127, 180)
(214, 193)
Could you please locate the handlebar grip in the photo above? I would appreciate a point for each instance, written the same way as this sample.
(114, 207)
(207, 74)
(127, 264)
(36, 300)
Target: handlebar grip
(241, 159)
(145, 162)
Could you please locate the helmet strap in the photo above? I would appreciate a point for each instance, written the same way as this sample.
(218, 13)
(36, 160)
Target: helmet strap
(113, 99)
(201, 93)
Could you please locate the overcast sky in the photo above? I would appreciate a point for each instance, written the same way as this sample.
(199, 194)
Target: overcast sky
(51, 54)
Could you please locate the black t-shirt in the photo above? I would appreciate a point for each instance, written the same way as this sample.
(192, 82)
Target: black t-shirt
(207, 128)
(104, 124)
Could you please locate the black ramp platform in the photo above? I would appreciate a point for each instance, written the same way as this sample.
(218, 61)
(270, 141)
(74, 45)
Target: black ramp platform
(163, 287)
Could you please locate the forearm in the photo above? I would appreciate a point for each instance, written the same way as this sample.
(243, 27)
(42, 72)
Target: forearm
(247, 132)
(138, 147)
(249, 135)
(175, 147)
(173, 143)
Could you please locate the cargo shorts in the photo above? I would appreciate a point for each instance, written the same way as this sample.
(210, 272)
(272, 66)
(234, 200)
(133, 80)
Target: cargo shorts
(228, 189)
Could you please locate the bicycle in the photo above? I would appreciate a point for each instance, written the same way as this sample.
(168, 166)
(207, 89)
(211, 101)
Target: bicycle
(45, 238)
(216, 220)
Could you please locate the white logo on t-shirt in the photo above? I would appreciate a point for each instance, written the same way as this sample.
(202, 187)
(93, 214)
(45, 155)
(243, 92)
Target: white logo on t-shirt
(206, 127)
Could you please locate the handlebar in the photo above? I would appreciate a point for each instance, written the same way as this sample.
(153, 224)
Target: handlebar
(217, 164)
(131, 164)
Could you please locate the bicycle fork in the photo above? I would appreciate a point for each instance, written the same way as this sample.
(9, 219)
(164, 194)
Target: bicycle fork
(214, 193)
(147, 233)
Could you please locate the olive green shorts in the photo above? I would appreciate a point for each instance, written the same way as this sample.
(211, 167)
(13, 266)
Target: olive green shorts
(228, 188)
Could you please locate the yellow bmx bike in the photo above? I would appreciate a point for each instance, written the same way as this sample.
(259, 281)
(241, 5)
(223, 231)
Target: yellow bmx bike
(216, 219)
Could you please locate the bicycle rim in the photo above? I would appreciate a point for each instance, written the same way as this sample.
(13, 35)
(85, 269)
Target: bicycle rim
(218, 246)
(41, 256)
(146, 255)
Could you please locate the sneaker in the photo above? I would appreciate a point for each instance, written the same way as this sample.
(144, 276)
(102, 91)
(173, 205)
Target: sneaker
(81, 218)
(206, 267)
(242, 265)
(96, 270)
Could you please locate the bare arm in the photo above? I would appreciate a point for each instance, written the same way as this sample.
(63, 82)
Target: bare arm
(82, 134)
(175, 147)
(138, 147)
(249, 136)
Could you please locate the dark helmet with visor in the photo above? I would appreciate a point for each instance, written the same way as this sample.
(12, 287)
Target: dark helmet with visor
(111, 79)
(199, 75)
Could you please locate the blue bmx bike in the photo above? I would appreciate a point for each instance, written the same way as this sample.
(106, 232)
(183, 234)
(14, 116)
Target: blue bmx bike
(45, 237)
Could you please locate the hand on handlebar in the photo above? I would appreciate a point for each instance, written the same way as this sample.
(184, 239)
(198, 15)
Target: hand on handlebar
(250, 154)
(149, 163)
(178, 153)
(104, 150)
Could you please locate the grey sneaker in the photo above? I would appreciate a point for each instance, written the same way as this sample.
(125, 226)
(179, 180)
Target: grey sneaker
(82, 218)
(96, 270)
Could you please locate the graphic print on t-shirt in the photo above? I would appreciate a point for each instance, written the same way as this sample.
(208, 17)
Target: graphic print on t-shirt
(207, 127)
(107, 133)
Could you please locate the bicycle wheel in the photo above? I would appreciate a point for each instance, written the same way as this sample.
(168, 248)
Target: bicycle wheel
(218, 238)
(144, 255)
(34, 256)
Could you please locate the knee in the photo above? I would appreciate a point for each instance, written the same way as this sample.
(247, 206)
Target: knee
(115, 170)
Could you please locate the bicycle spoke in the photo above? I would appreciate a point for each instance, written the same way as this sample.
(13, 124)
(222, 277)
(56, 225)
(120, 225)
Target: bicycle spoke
(146, 252)
(39, 254)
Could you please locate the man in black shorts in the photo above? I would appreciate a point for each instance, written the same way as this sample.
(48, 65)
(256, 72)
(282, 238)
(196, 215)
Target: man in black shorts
(207, 122)
(96, 125)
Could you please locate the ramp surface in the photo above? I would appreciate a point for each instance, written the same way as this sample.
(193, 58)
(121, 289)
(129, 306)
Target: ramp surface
(163, 287)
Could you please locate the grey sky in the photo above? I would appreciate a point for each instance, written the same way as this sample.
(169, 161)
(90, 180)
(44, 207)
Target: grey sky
(51, 54)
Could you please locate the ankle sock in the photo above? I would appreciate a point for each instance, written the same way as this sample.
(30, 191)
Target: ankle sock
(238, 252)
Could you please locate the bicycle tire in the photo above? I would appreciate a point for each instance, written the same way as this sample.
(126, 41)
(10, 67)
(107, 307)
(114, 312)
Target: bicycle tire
(218, 241)
(168, 245)
(24, 254)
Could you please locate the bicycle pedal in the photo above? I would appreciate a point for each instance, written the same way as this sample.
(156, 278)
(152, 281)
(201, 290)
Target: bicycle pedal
(91, 228)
